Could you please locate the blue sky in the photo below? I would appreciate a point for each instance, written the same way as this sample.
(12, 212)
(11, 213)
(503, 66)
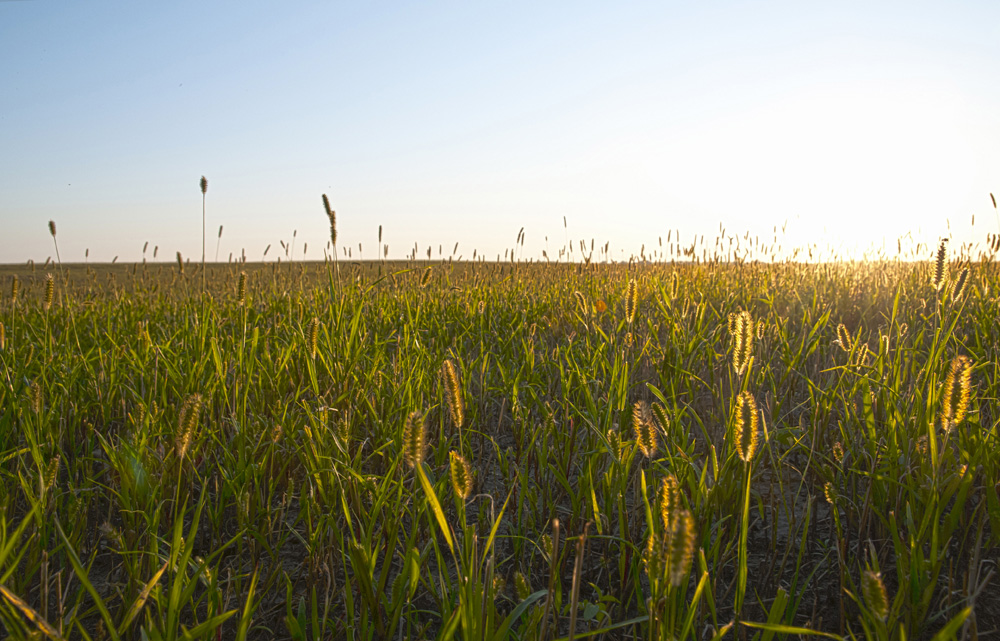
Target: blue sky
(463, 122)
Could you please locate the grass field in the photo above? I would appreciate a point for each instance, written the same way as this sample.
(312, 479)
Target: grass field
(500, 450)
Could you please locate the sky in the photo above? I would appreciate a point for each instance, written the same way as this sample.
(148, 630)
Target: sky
(848, 124)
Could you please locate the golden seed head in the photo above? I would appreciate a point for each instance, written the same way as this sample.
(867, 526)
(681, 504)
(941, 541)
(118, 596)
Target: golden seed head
(844, 338)
(51, 473)
(941, 265)
(874, 594)
(670, 500)
(746, 426)
(461, 475)
(956, 392)
(682, 540)
(645, 431)
(3, 337)
(313, 337)
(742, 327)
(830, 493)
(425, 279)
(631, 301)
(50, 288)
(453, 392)
(661, 419)
(838, 452)
(187, 421)
(482, 307)
(958, 289)
(204, 185)
(15, 287)
(414, 439)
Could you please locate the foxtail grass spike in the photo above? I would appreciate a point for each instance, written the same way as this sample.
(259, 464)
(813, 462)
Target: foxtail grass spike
(461, 475)
(414, 439)
(49, 291)
(956, 392)
(187, 421)
(332, 216)
(645, 432)
(453, 392)
(746, 427)
(874, 594)
(958, 289)
(313, 337)
(241, 290)
(941, 265)
(631, 301)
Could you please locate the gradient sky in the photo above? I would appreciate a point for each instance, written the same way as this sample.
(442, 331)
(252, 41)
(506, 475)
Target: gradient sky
(462, 122)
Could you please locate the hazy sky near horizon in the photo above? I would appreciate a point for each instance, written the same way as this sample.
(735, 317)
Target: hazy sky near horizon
(447, 122)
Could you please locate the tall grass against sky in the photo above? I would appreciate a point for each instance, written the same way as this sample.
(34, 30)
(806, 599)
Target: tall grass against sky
(463, 122)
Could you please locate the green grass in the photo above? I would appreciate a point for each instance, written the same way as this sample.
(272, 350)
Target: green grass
(282, 506)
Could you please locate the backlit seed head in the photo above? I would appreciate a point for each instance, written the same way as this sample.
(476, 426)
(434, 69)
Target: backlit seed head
(956, 392)
(631, 301)
(187, 421)
(670, 500)
(830, 493)
(682, 540)
(844, 338)
(743, 330)
(645, 432)
(874, 594)
(414, 439)
(581, 303)
(461, 475)
(941, 265)
(481, 308)
(453, 392)
(313, 337)
(425, 279)
(661, 420)
(15, 287)
(958, 289)
(746, 426)
(50, 288)
(838, 452)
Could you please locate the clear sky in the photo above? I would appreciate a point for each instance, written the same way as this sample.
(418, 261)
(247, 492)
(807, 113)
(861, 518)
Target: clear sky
(462, 122)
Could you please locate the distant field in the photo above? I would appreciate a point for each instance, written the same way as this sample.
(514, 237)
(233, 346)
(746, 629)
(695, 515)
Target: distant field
(388, 450)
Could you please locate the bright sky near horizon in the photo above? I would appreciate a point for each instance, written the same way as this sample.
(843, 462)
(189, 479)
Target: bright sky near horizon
(462, 122)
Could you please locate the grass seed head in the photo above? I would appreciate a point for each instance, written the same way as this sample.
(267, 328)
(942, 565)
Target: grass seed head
(3, 337)
(958, 289)
(843, 338)
(425, 279)
(204, 185)
(461, 475)
(670, 500)
(631, 301)
(941, 265)
(180, 262)
(645, 431)
(453, 392)
(332, 216)
(52, 228)
(187, 421)
(15, 287)
(50, 288)
(313, 337)
(681, 551)
(743, 328)
(956, 392)
(874, 594)
(414, 439)
(241, 290)
(746, 426)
